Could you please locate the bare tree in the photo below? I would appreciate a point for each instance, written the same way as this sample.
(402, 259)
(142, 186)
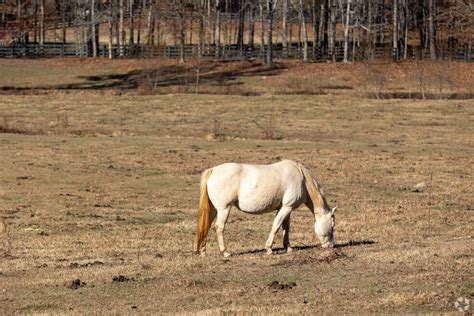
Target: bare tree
(151, 23)
(262, 32)
(121, 31)
(284, 27)
(18, 10)
(93, 29)
(431, 29)
(218, 28)
(252, 10)
(301, 12)
(42, 29)
(315, 26)
(179, 6)
(346, 31)
(404, 23)
(395, 30)
(323, 27)
(141, 8)
(269, 55)
(364, 23)
(110, 22)
(332, 30)
(131, 38)
(63, 21)
(240, 27)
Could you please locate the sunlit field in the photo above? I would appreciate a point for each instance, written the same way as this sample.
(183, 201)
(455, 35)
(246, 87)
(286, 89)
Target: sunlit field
(99, 193)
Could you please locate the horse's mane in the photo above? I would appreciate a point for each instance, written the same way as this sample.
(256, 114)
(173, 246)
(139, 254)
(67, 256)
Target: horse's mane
(314, 190)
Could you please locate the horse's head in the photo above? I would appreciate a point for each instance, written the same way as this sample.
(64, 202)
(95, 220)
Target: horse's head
(324, 228)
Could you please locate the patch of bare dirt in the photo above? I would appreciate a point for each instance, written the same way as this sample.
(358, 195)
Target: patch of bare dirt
(312, 257)
(122, 278)
(275, 285)
(74, 284)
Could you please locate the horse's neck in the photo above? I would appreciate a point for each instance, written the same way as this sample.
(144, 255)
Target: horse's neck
(319, 205)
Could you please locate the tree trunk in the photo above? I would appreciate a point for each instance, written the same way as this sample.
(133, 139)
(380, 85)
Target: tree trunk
(218, 29)
(139, 23)
(315, 28)
(131, 39)
(395, 30)
(121, 36)
(262, 34)
(240, 32)
(111, 33)
(346, 31)
(269, 56)
(209, 23)
(381, 22)
(35, 23)
(156, 30)
(405, 29)
(252, 28)
(63, 20)
(150, 25)
(93, 29)
(226, 25)
(284, 28)
(42, 30)
(305, 32)
(322, 29)
(189, 28)
(371, 40)
(332, 31)
(116, 27)
(181, 31)
(18, 11)
(431, 29)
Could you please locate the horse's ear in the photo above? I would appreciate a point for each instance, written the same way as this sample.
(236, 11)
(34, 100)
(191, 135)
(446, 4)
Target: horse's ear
(334, 210)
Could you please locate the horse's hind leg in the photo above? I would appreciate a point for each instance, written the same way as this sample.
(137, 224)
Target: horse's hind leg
(286, 234)
(281, 216)
(222, 215)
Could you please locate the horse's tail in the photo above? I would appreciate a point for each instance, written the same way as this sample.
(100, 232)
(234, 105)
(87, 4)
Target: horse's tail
(204, 213)
(314, 190)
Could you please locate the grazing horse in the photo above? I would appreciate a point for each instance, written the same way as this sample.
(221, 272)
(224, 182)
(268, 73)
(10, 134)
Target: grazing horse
(258, 189)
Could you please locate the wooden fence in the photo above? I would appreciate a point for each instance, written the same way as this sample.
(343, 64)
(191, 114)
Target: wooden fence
(231, 52)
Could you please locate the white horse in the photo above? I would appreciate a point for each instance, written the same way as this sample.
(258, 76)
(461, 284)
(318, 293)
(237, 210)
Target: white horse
(258, 189)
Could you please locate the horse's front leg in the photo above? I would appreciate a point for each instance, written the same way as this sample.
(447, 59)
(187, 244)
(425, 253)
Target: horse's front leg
(286, 234)
(222, 215)
(281, 216)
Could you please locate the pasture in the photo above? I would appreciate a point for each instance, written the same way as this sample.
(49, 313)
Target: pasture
(103, 188)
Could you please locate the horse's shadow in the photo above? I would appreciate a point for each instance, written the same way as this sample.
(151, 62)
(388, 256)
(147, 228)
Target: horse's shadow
(280, 250)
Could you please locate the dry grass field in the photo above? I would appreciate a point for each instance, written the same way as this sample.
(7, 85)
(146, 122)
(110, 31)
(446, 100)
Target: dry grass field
(102, 187)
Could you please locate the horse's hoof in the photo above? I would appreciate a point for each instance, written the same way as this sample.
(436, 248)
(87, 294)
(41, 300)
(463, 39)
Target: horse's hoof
(202, 253)
(226, 254)
(289, 249)
(269, 251)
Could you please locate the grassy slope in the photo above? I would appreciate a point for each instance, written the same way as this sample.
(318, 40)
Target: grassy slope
(407, 79)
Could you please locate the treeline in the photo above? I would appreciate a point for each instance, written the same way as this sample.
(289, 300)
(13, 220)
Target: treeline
(323, 25)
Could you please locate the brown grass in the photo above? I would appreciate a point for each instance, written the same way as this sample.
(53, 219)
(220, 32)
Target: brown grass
(407, 80)
(113, 190)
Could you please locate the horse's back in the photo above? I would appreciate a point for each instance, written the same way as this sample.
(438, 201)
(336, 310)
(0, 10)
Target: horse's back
(256, 188)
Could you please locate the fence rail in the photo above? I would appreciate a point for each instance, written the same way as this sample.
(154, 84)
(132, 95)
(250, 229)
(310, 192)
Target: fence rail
(230, 52)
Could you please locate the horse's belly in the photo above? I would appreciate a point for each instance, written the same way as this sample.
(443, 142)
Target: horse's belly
(256, 209)
(259, 203)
